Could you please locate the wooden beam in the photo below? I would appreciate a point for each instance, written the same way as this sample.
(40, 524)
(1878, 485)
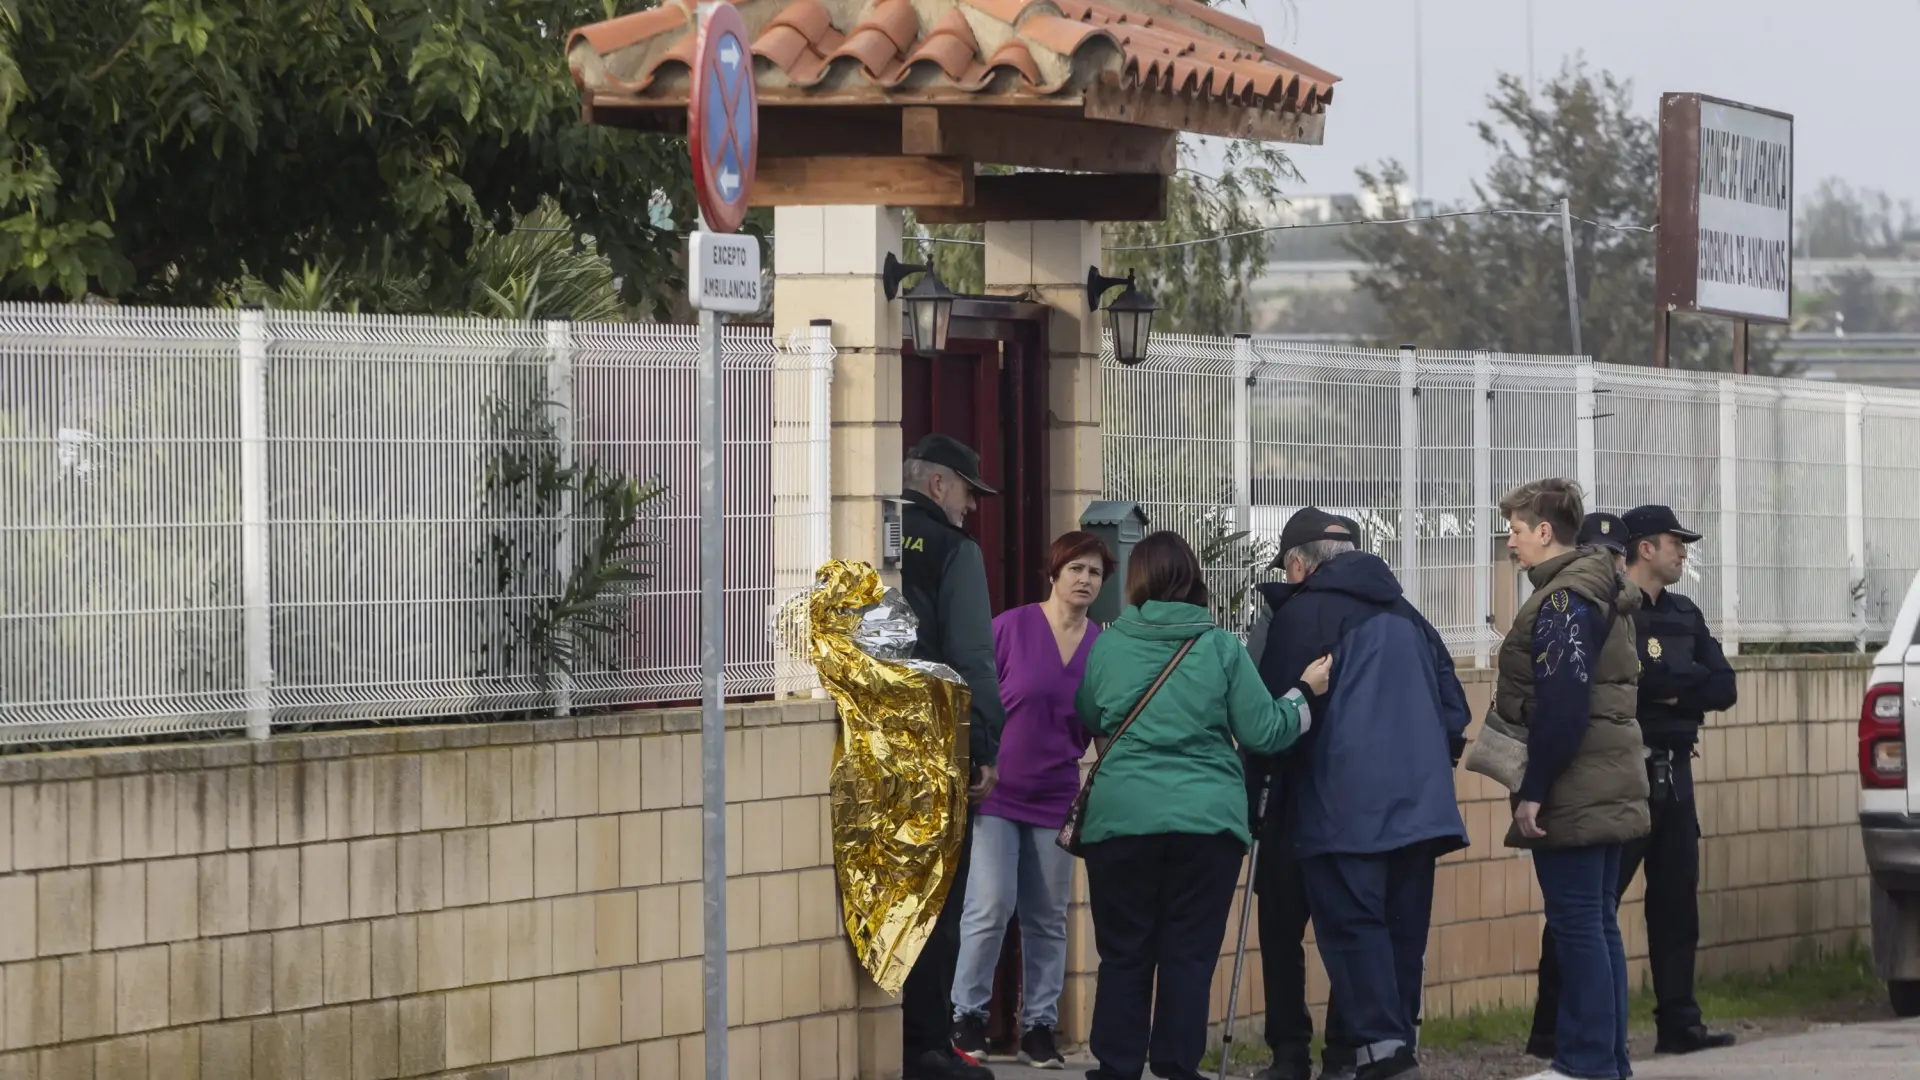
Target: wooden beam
(1000, 137)
(1056, 197)
(839, 180)
(1202, 116)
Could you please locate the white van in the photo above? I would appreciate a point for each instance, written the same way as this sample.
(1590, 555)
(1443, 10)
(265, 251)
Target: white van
(1890, 807)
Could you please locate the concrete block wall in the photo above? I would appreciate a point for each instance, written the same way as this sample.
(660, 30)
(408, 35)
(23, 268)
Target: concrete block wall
(503, 901)
(1783, 876)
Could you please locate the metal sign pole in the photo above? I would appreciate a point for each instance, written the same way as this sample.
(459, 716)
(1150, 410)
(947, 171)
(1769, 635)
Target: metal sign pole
(713, 752)
(723, 274)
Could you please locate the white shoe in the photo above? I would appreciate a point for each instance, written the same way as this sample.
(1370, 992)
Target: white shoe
(1549, 1074)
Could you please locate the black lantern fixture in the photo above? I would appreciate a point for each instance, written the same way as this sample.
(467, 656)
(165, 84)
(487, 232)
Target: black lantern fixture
(1129, 316)
(929, 304)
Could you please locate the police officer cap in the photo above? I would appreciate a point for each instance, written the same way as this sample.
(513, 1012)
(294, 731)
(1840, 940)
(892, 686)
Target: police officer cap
(1604, 530)
(1645, 522)
(954, 454)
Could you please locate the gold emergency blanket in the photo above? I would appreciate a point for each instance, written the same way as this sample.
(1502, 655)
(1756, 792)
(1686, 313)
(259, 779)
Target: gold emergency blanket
(899, 787)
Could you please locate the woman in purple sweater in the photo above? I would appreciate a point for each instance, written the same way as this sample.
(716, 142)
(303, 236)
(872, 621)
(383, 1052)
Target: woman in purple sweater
(1041, 651)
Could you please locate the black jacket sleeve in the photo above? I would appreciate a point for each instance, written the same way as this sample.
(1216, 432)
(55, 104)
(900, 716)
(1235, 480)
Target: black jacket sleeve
(966, 615)
(1716, 689)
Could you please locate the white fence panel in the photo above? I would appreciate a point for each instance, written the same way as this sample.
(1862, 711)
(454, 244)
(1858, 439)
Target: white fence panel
(223, 517)
(1809, 493)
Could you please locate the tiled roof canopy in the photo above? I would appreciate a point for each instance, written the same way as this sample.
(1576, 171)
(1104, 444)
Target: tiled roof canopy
(1111, 60)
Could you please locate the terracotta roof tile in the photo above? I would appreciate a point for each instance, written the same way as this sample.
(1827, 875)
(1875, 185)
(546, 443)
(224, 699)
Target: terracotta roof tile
(1029, 48)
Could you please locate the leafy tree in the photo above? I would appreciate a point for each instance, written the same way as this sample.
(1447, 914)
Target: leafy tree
(1840, 221)
(161, 152)
(536, 270)
(1201, 288)
(1499, 281)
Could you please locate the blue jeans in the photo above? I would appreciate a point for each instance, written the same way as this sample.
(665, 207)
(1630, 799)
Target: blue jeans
(1017, 869)
(1370, 916)
(1580, 886)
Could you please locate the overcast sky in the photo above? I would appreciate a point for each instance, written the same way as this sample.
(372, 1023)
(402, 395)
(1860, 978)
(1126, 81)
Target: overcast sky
(1848, 71)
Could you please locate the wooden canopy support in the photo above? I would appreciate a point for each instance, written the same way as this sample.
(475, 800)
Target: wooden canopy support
(1202, 116)
(1057, 197)
(1003, 137)
(842, 180)
(1109, 128)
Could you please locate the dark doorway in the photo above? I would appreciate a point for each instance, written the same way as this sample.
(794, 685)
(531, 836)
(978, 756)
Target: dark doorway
(992, 395)
(989, 390)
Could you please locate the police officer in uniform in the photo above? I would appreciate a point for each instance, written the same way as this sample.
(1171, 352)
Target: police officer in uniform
(944, 579)
(1683, 676)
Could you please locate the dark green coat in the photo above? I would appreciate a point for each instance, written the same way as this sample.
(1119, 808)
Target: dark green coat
(1602, 797)
(1177, 769)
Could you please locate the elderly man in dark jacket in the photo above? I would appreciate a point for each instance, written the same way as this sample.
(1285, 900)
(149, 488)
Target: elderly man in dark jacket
(1365, 800)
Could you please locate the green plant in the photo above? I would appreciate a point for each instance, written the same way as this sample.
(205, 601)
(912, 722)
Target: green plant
(1232, 554)
(566, 554)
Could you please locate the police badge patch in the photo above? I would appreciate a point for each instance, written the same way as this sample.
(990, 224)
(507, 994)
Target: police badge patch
(1653, 648)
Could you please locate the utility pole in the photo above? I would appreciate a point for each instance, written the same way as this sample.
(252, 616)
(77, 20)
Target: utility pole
(1419, 109)
(1573, 282)
(1529, 48)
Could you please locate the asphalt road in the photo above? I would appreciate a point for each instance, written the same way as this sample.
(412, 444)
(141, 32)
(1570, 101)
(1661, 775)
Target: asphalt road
(1883, 1051)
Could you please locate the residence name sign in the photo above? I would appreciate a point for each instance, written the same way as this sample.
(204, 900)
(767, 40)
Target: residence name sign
(1726, 209)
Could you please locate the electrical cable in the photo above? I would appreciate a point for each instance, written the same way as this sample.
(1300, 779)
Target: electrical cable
(1196, 242)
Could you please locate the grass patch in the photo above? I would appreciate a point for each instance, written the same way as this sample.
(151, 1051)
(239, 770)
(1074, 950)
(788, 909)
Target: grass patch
(1823, 986)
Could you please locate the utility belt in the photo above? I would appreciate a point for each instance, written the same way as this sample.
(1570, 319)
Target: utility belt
(1660, 765)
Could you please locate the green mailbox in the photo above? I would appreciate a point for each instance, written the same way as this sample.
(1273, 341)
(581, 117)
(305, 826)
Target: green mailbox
(1121, 525)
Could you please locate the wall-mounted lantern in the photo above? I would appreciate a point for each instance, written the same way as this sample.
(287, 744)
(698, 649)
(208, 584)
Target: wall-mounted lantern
(929, 304)
(1130, 315)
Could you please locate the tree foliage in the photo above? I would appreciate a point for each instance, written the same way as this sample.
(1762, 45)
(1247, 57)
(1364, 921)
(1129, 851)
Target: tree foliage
(1840, 221)
(160, 152)
(1201, 288)
(1499, 281)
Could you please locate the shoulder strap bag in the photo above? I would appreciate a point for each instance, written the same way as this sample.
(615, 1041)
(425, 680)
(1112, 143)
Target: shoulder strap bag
(1069, 838)
(1500, 752)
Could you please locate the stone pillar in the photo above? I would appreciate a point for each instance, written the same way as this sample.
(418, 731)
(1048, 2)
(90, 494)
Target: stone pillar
(1050, 258)
(827, 263)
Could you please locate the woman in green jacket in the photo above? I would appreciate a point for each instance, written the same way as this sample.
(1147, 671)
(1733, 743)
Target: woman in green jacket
(1166, 822)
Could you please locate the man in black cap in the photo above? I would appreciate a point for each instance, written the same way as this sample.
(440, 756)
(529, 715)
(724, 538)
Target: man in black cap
(1352, 831)
(1607, 531)
(944, 579)
(1683, 676)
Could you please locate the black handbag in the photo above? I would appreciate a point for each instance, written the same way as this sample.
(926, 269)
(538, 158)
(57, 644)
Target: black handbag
(1069, 838)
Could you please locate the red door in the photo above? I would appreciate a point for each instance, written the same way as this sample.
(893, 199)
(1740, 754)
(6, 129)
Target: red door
(991, 395)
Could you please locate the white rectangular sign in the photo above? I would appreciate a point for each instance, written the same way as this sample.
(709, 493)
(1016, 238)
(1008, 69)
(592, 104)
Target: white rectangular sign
(723, 272)
(1745, 225)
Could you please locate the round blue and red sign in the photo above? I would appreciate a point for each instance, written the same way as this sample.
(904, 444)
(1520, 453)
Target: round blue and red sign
(723, 119)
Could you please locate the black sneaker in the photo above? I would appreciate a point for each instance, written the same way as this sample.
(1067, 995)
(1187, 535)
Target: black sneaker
(1337, 1072)
(945, 1065)
(1037, 1049)
(1401, 1066)
(970, 1036)
(1292, 1070)
(1692, 1040)
(1541, 1044)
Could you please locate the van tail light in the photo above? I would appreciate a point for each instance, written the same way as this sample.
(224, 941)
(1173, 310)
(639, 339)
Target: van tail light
(1883, 740)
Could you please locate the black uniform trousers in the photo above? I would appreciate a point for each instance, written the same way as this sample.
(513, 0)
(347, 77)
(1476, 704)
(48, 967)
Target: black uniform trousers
(1671, 855)
(926, 999)
(1284, 915)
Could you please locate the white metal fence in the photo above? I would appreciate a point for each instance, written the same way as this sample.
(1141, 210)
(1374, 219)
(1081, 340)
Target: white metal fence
(236, 519)
(1809, 493)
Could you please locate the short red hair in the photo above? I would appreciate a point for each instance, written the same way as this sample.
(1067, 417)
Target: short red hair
(1078, 545)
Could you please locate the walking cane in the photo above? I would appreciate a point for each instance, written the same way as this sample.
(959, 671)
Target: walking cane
(1240, 949)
